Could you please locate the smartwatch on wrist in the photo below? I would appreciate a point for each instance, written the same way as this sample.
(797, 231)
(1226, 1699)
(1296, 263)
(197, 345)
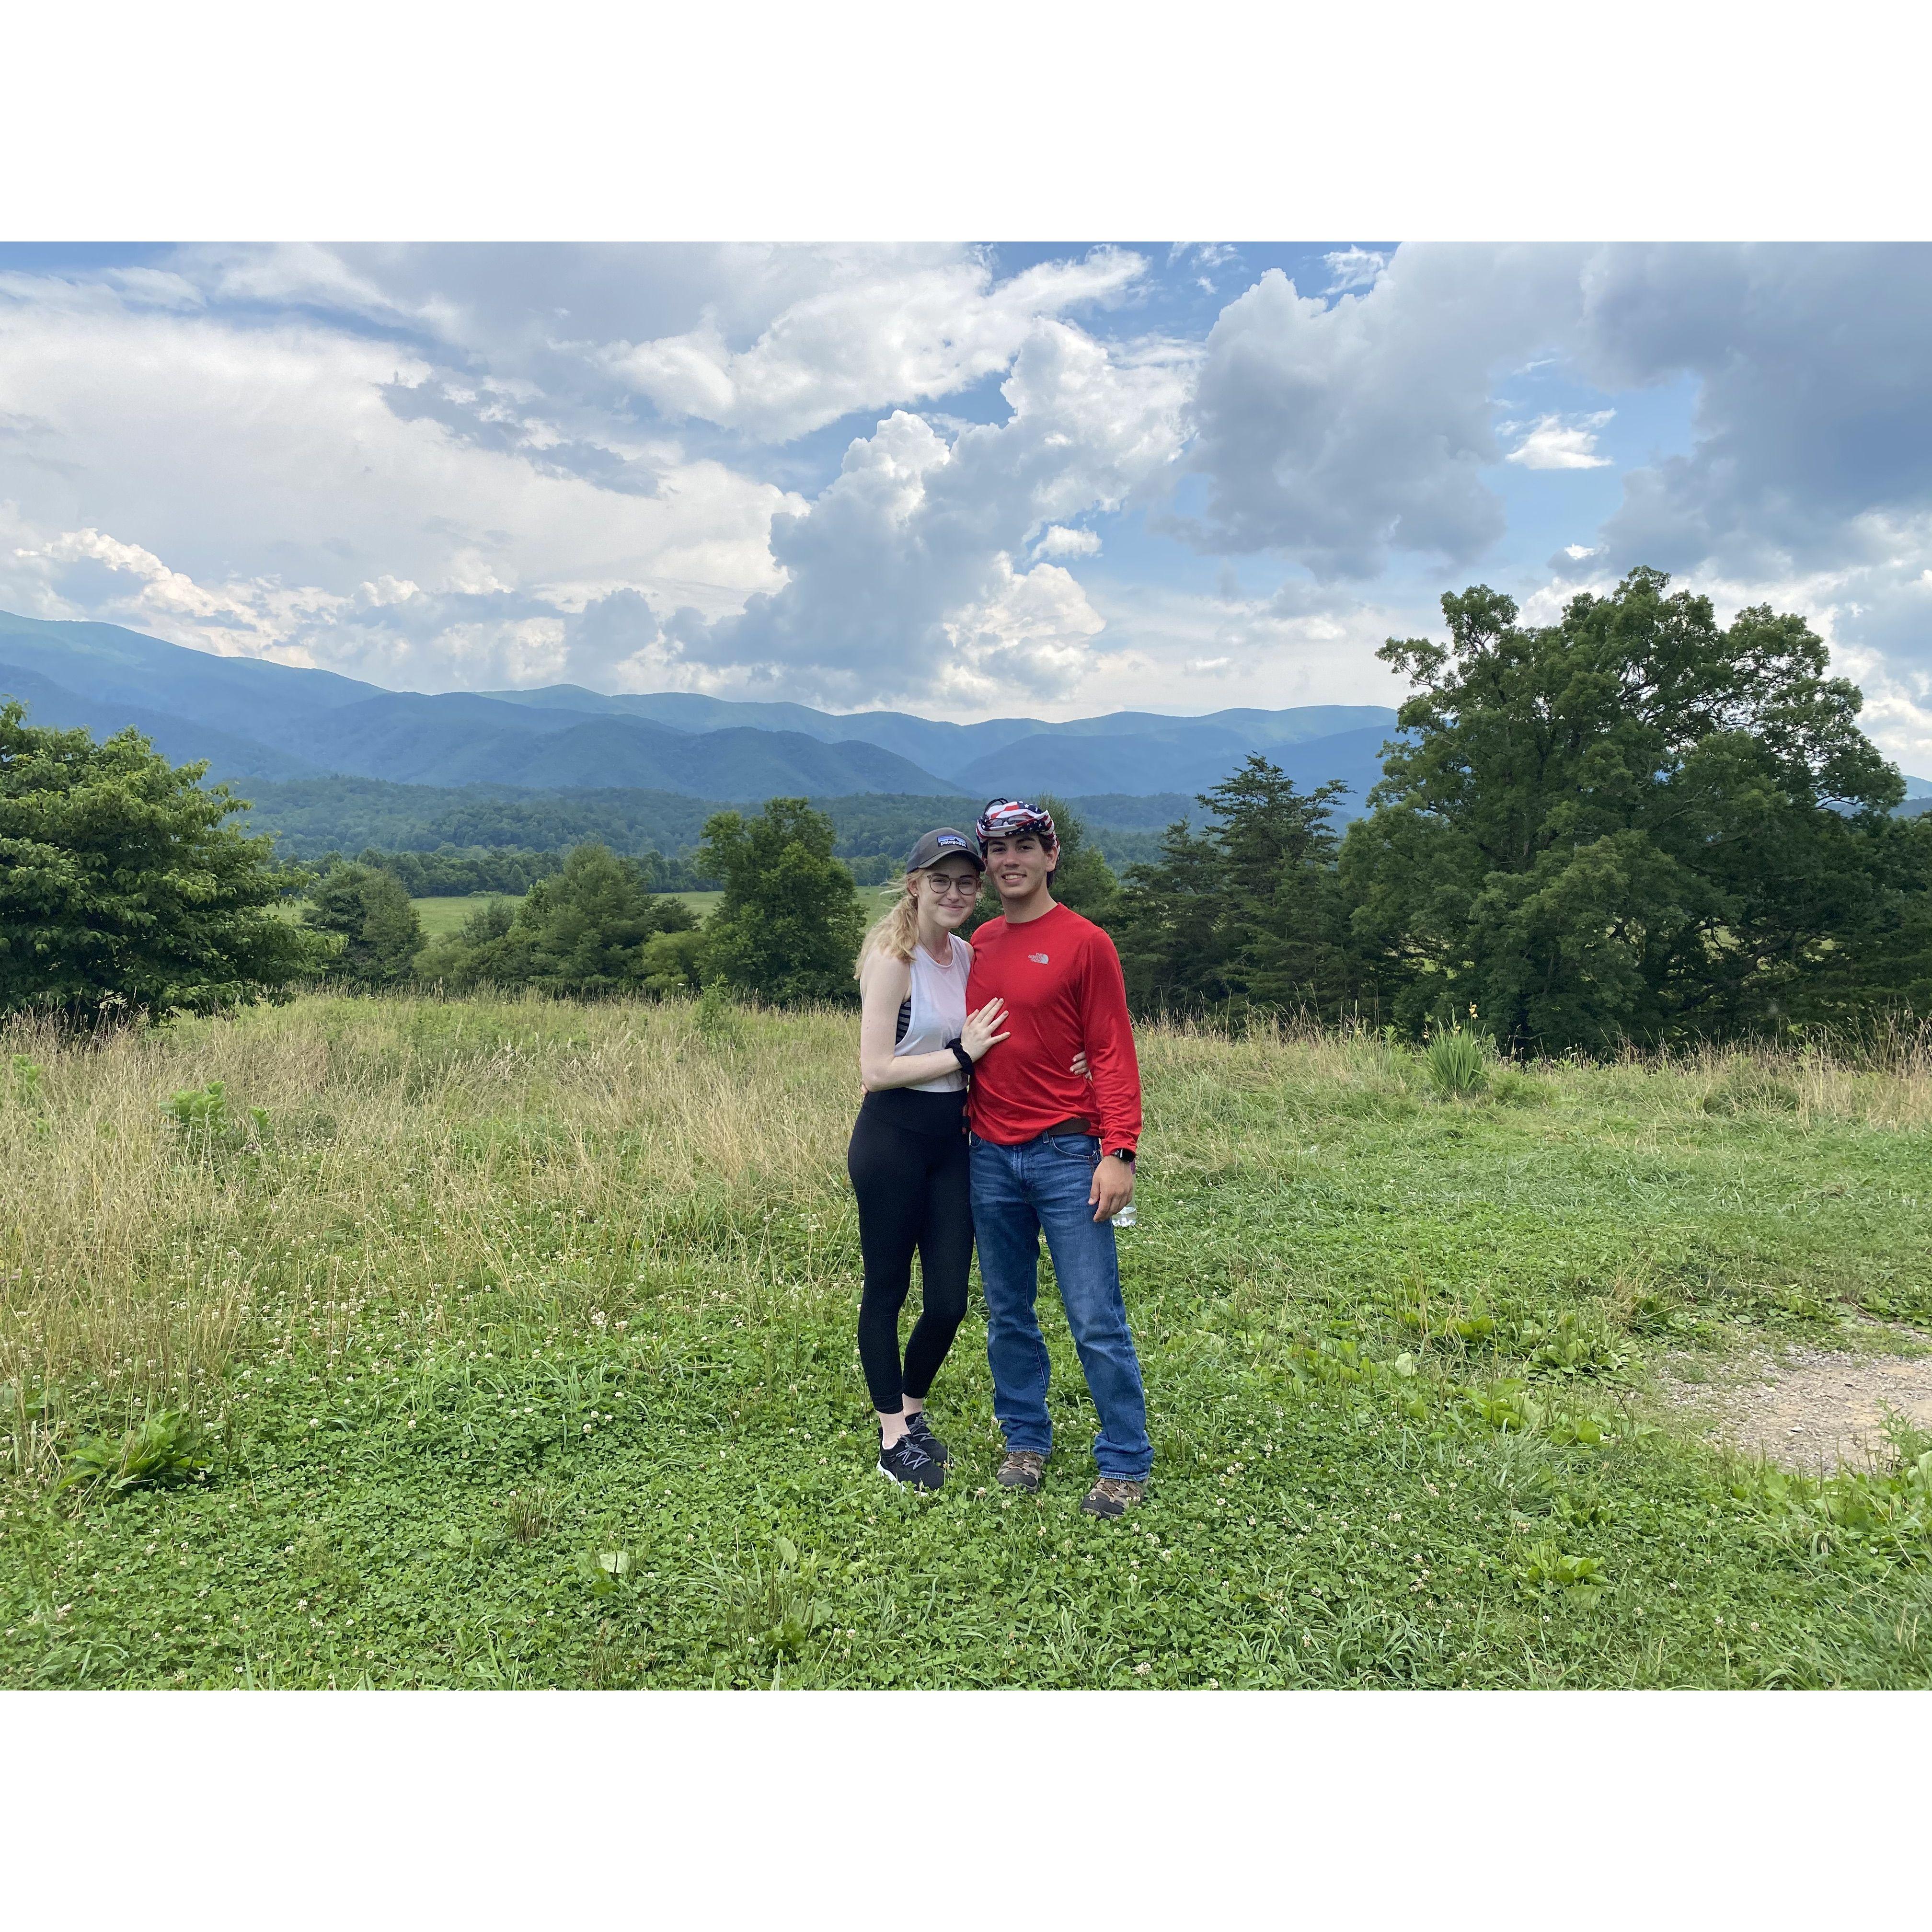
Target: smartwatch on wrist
(1124, 1153)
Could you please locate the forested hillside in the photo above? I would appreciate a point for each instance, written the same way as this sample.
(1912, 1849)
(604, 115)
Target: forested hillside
(311, 817)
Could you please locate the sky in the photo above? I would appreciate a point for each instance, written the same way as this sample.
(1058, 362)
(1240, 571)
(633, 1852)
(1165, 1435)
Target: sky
(967, 481)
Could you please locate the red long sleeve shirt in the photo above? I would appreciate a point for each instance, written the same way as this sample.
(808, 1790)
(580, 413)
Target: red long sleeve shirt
(1060, 978)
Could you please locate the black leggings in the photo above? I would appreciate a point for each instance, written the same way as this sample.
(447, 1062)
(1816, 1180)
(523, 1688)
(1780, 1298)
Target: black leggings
(908, 1166)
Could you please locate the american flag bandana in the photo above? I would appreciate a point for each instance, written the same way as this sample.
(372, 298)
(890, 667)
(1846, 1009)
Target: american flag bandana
(1008, 817)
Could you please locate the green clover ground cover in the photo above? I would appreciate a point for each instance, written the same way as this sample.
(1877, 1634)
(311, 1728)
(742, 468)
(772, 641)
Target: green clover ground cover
(527, 1417)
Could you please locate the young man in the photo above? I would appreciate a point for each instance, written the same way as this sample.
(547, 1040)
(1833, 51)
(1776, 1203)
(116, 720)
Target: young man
(1051, 1152)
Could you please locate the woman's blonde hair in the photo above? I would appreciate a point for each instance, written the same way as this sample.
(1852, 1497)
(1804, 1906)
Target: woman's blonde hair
(897, 934)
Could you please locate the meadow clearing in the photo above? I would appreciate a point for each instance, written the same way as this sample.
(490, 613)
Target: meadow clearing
(401, 1341)
(442, 916)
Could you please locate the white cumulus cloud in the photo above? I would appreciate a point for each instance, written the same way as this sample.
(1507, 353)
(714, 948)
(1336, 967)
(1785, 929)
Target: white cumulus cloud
(901, 574)
(456, 464)
(232, 484)
(1559, 443)
(1056, 540)
(879, 334)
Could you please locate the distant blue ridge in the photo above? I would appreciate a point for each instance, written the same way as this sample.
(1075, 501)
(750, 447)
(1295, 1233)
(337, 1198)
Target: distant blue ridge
(254, 720)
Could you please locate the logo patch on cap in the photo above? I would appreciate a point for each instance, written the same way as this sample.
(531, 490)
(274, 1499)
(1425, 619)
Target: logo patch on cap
(947, 838)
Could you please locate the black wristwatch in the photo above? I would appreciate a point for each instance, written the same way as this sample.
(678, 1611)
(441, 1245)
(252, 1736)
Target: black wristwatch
(960, 1054)
(1124, 1153)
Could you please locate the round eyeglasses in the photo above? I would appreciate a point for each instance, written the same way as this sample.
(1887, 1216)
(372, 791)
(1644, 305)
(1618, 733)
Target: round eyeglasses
(952, 886)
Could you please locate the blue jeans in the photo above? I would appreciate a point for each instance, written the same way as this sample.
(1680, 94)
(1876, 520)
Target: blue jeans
(1018, 1193)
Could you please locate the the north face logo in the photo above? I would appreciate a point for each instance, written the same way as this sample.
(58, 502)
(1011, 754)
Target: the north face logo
(1038, 959)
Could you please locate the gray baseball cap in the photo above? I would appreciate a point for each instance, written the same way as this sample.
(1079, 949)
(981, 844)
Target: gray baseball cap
(945, 843)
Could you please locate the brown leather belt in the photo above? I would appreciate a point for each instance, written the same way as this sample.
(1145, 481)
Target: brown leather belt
(1075, 1126)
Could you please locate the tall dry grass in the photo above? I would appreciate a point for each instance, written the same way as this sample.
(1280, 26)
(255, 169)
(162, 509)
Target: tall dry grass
(410, 1144)
(421, 1153)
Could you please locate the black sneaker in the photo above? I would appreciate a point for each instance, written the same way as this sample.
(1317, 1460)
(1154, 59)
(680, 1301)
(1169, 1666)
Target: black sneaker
(920, 1430)
(906, 1462)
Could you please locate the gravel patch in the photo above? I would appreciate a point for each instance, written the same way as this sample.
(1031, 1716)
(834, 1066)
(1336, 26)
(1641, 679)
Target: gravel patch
(1811, 1409)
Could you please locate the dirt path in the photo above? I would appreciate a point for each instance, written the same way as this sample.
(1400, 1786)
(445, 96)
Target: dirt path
(1810, 1409)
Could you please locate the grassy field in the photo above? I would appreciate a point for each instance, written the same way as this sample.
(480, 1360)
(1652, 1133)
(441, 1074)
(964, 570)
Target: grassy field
(442, 916)
(439, 916)
(519, 1340)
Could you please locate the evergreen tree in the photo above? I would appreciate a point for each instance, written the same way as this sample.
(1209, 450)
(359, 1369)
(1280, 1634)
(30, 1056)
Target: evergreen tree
(1082, 879)
(586, 928)
(789, 922)
(123, 887)
(370, 916)
(1280, 934)
(1244, 913)
(1168, 922)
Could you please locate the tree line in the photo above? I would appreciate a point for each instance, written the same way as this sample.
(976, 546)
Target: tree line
(321, 819)
(1632, 824)
(451, 871)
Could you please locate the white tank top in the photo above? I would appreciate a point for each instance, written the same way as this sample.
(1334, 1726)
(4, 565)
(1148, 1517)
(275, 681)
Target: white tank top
(938, 1001)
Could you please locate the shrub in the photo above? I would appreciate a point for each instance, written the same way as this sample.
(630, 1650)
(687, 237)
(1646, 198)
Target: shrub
(717, 1018)
(674, 962)
(200, 1116)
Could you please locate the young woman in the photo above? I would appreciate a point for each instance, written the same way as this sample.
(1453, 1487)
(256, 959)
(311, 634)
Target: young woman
(917, 1043)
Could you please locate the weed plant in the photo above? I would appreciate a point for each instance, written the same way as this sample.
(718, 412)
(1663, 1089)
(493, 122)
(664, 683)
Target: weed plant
(511, 1344)
(1457, 1063)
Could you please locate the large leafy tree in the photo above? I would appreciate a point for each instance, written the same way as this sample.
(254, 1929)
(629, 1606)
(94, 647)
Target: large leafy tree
(1243, 912)
(1633, 824)
(123, 886)
(789, 922)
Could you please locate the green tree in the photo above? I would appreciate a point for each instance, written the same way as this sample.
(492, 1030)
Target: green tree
(674, 962)
(587, 928)
(123, 889)
(370, 916)
(789, 922)
(582, 932)
(458, 959)
(1245, 912)
(1082, 879)
(1633, 824)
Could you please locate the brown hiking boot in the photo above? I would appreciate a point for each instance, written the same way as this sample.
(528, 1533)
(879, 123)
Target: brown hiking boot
(1112, 1496)
(1022, 1470)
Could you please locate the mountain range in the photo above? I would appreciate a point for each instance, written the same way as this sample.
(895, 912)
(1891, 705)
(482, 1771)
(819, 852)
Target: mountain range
(253, 720)
(260, 722)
